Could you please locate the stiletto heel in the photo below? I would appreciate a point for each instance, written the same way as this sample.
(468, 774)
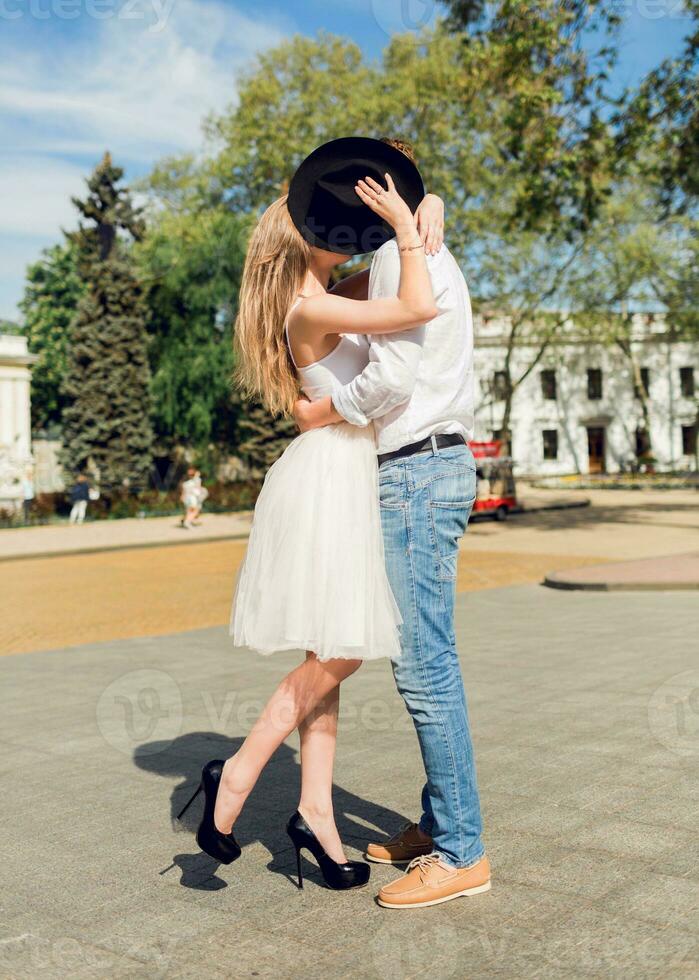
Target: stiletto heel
(223, 847)
(189, 802)
(298, 866)
(351, 874)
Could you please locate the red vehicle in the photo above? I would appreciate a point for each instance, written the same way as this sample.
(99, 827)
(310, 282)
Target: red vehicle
(496, 493)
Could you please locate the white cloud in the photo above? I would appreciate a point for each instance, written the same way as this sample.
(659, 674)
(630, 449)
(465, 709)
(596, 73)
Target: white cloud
(36, 195)
(138, 87)
(140, 91)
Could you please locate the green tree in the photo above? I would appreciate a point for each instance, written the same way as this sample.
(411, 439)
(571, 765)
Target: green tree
(106, 422)
(262, 439)
(660, 122)
(638, 259)
(51, 295)
(294, 97)
(544, 67)
(191, 261)
(526, 288)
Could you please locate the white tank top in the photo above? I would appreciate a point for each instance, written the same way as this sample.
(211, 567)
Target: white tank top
(337, 368)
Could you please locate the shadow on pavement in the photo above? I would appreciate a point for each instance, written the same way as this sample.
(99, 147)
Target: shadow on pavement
(265, 813)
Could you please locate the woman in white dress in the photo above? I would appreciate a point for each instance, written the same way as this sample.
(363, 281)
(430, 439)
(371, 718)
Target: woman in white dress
(314, 576)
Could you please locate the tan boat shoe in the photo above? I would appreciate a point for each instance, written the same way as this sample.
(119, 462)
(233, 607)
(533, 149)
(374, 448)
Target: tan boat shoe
(430, 882)
(402, 848)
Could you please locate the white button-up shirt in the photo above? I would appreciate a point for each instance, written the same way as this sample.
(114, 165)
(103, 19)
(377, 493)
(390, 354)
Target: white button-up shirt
(418, 382)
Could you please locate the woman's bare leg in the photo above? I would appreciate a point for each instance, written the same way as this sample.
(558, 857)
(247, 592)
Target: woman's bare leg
(297, 695)
(318, 733)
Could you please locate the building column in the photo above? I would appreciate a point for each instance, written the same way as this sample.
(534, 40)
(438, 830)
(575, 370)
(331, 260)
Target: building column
(22, 417)
(6, 411)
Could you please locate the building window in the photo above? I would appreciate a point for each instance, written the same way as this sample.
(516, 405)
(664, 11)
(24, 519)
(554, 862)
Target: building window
(645, 381)
(689, 440)
(550, 439)
(687, 382)
(499, 385)
(594, 384)
(548, 385)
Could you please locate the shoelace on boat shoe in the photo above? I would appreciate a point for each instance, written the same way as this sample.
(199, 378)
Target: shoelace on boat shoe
(424, 863)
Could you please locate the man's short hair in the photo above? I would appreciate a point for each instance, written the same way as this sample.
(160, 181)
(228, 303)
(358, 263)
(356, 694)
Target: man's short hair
(402, 145)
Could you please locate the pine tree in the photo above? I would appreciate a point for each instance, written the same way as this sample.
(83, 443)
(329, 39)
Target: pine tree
(106, 423)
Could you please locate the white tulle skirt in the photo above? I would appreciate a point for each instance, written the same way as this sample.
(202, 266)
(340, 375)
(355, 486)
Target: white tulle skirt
(314, 577)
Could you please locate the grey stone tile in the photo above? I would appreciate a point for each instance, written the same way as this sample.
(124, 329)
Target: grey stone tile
(681, 861)
(659, 899)
(588, 821)
(49, 949)
(664, 810)
(641, 842)
(561, 869)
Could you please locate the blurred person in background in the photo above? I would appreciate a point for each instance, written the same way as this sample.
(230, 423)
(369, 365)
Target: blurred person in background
(191, 497)
(28, 495)
(79, 497)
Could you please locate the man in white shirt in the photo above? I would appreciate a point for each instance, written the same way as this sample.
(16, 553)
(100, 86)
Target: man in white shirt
(418, 390)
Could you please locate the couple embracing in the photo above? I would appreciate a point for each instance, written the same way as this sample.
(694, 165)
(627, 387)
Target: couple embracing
(353, 548)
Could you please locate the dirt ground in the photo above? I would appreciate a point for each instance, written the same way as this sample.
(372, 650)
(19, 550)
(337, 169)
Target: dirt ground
(86, 598)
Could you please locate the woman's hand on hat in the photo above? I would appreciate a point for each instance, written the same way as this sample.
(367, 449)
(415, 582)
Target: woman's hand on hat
(388, 204)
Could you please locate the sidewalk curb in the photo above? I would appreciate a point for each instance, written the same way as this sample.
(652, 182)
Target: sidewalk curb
(205, 539)
(567, 586)
(563, 505)
(132, 546)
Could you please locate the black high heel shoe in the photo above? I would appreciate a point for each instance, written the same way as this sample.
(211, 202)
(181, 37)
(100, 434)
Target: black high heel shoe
(223, 847)
(352, 874)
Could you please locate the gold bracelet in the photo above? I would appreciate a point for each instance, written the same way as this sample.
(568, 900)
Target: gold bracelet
(409, 248)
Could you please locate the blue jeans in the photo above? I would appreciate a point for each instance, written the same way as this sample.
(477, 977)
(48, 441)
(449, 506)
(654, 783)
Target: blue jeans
(426, 501)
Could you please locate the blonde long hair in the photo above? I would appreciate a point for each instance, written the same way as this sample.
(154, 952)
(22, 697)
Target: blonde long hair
(276, 264)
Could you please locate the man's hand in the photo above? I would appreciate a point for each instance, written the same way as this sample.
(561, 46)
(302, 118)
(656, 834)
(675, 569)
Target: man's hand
(314, 415)
(429, 218)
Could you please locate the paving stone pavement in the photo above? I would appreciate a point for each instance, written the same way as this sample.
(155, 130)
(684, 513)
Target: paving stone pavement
(586, 725)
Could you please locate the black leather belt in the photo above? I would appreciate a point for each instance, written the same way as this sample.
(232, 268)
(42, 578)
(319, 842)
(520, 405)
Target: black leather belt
(442, 441)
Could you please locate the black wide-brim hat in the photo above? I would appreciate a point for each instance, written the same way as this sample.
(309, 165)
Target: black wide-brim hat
(324, 205)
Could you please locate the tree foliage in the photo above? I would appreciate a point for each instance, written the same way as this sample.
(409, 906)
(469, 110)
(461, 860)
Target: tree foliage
(191, 262)
(52, 292)
(660, 123)
(106, 421)
(548, 180)
(546, 65)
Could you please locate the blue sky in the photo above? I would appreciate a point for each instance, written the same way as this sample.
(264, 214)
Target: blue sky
(137, 76)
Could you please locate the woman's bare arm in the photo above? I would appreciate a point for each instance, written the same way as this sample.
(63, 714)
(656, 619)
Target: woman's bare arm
(329, 314)
(414, 303)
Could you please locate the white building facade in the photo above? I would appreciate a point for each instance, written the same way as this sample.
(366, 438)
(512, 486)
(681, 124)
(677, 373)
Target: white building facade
(577, 411)
(15, 419)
